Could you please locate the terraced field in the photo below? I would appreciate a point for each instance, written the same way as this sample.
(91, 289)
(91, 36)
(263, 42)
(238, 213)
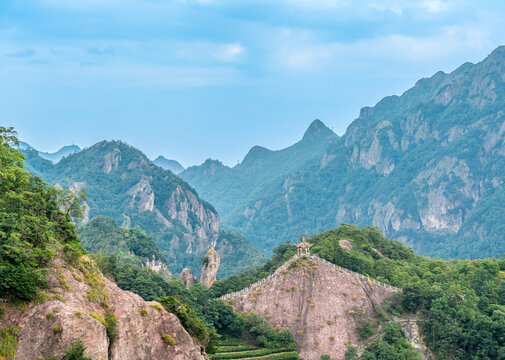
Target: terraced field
(236, 349)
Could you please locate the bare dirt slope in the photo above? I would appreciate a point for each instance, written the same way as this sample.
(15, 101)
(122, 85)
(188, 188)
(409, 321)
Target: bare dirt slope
(72, 308)
(320, 303)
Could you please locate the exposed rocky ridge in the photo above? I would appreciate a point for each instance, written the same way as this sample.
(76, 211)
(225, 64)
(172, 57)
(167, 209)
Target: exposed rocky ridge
(320, 303)
(210, 267)
(139, 335)
(426, 168)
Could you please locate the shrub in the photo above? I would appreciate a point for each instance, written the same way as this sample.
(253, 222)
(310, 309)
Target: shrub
(111, 322)
(332, 338)
(365, 329)
(143, 312)
(329, 322)
(351, 353)
(49, 316)
(98, 317)
(57, 329)
(167, 339)
(76, 351)
(325, 357)
(8, 341)
(78, 314)
(156, 306)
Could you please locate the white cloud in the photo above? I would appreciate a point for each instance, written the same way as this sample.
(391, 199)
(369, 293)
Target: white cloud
(435, 6)
(309, 54)
(228, 52)
(325, 4)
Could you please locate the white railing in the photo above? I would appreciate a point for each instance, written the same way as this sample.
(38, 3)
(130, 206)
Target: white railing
(257, 284)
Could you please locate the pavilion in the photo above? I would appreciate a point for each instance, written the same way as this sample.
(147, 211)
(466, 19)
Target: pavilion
(303, 247)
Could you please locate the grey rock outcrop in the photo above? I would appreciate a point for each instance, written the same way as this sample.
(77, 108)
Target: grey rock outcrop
(211, 263)
(187, 277)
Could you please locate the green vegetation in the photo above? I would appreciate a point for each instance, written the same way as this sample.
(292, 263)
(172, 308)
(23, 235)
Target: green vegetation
(33, 226)
(74, 352)
(237, 349)
(103, 235)
(391, 343)
(8, 342)
(168, 339)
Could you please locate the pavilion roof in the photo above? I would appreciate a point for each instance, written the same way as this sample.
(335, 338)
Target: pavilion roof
(303, 245)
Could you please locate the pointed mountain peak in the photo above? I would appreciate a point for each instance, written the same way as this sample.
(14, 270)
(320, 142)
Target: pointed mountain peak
(317, 130)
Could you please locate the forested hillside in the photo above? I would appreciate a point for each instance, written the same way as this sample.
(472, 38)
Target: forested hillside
(123, 184)
(460, 304)
(427, 168)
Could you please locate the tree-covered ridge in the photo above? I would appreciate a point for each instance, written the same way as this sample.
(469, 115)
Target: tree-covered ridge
(124, 185)
(426, 167)
(460, 303)
(35, 224)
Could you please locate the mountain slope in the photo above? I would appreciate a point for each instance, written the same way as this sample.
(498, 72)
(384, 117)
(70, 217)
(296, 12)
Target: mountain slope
(427, 167)
(229, 189)
(122, 184)
(167, 164)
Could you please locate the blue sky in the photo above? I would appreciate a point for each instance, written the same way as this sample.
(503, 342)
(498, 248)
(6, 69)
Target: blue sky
(193, 79)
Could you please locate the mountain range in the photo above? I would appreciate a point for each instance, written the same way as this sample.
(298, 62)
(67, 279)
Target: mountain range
(426, 167)
(123, 184)
(53, 157)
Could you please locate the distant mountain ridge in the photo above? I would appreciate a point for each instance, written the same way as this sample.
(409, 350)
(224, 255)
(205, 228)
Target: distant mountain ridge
(53, 157)
(426, 167)
(167, 164)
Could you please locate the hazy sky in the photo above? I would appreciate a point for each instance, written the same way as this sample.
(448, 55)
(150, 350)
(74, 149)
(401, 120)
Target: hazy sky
(192, 79)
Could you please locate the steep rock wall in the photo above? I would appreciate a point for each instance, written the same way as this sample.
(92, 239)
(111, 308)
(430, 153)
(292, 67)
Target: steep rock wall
(321, 304)
(68, 305)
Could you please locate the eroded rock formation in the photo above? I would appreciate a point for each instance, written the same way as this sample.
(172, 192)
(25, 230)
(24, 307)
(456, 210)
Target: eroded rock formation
(210, 267)
(187, 277)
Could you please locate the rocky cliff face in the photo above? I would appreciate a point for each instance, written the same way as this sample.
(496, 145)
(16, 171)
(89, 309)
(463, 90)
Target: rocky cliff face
(319, 303)
(71, 310)
(425, 167)
(210, 267)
